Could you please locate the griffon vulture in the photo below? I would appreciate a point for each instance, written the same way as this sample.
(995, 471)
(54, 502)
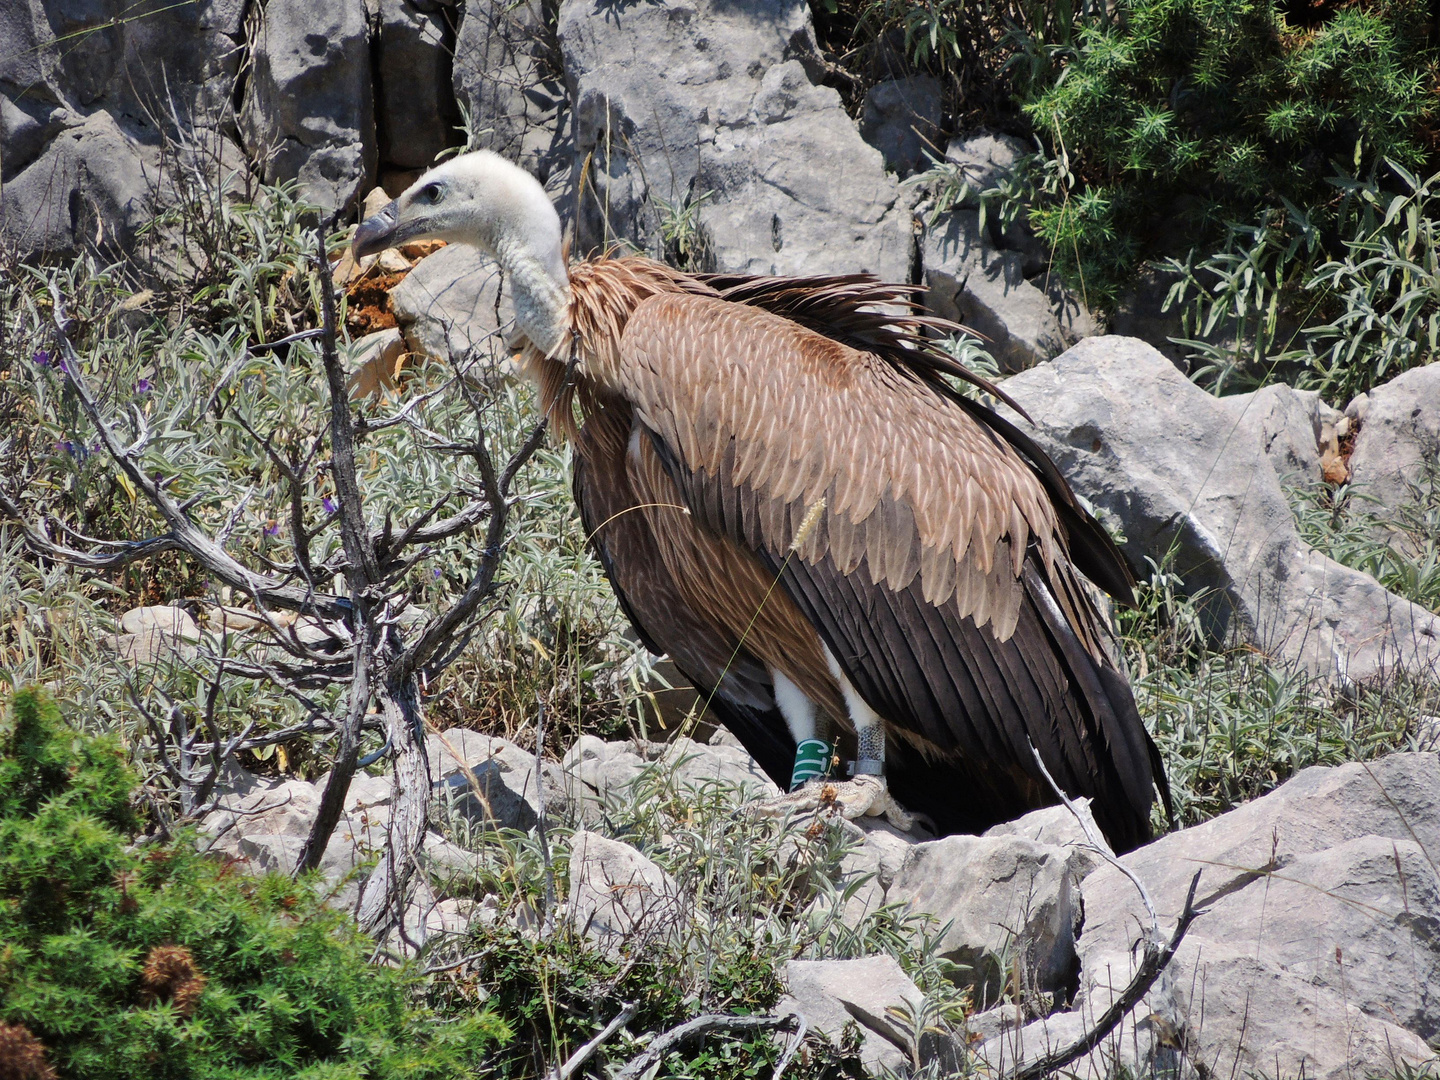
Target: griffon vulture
(835, 546)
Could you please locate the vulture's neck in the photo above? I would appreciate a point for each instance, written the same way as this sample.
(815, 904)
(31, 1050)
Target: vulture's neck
(540, 287)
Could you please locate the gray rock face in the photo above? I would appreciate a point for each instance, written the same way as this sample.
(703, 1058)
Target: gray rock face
(1321, 944)
(1004, 898)
(1400, 433)
(618, 897)
(707, 104)
(415, 108)
(309, 110)
(93, 179)
(971, 282)
(506, 78)
(901, 119)
(1185, 472)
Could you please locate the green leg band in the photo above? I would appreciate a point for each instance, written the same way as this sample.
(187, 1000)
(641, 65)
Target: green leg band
(812, 761)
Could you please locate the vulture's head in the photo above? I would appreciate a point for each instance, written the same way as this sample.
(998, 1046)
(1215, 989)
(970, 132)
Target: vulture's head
(483, 200)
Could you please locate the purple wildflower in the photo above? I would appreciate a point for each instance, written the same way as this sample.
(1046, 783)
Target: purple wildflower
(329, 504)
(437, 573)
(65, 446)
(41, 358)
(273, 529)
(144, 386)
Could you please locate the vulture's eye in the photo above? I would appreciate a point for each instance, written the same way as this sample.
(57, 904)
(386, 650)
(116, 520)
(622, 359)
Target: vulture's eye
(430, 193)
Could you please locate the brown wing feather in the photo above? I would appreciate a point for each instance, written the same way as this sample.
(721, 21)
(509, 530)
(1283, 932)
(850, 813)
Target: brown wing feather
(733, 681)
(970, 671)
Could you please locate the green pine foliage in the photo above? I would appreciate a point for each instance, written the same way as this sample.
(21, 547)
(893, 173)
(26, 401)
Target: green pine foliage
(160, 962)
(1177, 115)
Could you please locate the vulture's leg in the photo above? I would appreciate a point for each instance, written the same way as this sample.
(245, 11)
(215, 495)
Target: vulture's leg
(812, 752)
(868, 794)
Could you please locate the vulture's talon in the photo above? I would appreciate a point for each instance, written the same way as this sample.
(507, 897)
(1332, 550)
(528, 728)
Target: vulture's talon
(864, 796)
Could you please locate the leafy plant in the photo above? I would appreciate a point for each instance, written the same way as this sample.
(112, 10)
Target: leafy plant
(1340, 315)
(157, 961)
(1182, 114)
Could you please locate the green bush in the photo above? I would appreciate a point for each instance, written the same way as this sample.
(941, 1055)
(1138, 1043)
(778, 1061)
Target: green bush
(158, 961)
(1180, 114)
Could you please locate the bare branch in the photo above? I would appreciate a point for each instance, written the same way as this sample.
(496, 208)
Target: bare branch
(694, 1029)
(185, 534)
(577, 1060)
(1098, 845)
(123, 553)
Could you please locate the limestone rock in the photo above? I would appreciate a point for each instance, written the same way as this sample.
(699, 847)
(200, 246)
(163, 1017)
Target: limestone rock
(415, 109)
(446, 307)
(94, 184)
(309, 109)
(606, 774)
(1400, 433)
(1056, 826)
(830, 994)
(503, 74)
(86, 92)
(971, 282)
(618, 897)
(162, 619)
(1002, 896)
(1319, 946)
(1186, 473)
(901, 119)
(265, 822)
(508, 795)
(707, 105)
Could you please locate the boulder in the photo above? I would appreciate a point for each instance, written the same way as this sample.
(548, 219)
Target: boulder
(1007, 905)
(620, 899)
(161, 619)
(901, 119)
(1399, 437)
(415, 113)
(970, 281)
(309, 108)
(1320, 946)
(87, 93)
(1056, 826)
(446, 307)
(93, 185)
(868, 992)
(605, 775)
(700, 116)
(491, 782)
(1187, 478)
(265, 822)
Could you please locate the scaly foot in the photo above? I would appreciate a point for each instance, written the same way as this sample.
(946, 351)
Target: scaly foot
(864, 796)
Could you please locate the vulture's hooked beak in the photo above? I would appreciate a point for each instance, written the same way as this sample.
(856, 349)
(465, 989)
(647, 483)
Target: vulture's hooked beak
(376, 233)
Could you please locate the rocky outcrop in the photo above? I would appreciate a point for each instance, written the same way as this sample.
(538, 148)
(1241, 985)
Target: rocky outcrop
(996, 280)
(506, 76)
(309, 109)
(701, 115)
(1320, 946)
(87, 93)
(618, 898)
(876, 995)
(1194, 480)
